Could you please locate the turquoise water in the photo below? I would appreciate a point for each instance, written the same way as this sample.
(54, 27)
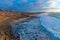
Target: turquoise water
(55, 14)
(51, 23)
(45, 26)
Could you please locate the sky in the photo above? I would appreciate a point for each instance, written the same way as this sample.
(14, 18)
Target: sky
(54, 3)
(29, 5)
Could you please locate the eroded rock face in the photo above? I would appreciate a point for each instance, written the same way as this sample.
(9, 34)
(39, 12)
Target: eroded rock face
(17, 26)
(10, 16)
(6, 19)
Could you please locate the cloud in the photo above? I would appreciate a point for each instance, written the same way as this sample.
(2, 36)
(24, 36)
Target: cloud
(54, 3)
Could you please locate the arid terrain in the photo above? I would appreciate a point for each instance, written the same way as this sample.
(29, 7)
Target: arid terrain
(22, 26)
(8, 17)
(12, 16)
